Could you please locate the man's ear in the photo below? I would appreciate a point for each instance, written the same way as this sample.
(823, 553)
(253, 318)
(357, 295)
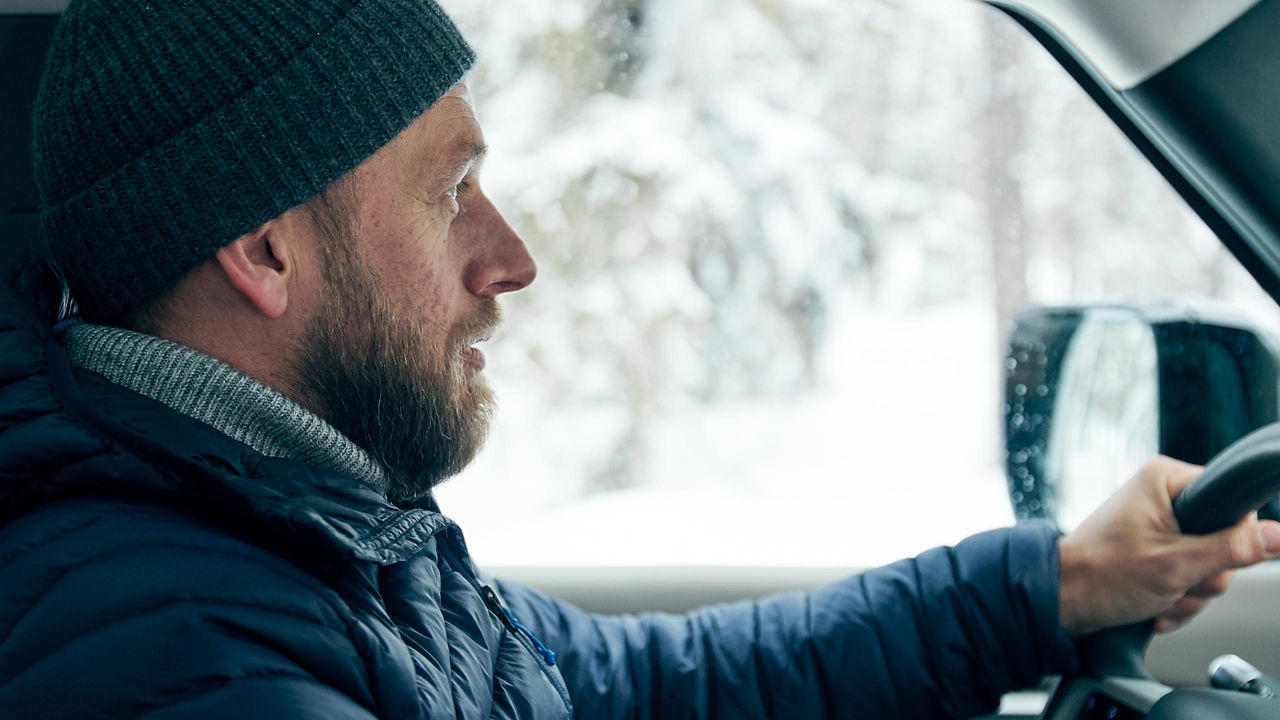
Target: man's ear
(259, 266)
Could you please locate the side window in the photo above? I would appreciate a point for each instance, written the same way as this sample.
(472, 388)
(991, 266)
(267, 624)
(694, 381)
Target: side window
(779, 246)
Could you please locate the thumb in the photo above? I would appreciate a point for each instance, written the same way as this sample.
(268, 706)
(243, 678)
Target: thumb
(1248, 543)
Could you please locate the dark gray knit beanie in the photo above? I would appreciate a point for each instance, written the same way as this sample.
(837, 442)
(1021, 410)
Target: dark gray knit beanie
(165, 129)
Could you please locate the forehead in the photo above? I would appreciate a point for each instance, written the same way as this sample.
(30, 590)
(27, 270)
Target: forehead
(429, 151)
(446, 133)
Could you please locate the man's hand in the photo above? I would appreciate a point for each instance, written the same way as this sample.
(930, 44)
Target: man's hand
(1128, 561)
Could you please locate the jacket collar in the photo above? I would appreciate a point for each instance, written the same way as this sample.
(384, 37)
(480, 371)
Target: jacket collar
(218, 395)
(89, 436)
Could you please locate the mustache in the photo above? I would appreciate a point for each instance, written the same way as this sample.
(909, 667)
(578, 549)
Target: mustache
(476, 328)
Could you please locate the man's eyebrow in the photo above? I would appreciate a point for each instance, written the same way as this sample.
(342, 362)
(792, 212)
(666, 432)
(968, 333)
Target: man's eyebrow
(462, 156)
(475, 152)
(466, 154)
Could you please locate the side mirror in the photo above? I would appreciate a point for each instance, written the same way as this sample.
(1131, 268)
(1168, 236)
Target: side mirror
(1092, 392)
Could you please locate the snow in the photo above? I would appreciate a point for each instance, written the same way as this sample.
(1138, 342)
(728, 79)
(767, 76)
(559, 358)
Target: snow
(765, 319)
(867, 467)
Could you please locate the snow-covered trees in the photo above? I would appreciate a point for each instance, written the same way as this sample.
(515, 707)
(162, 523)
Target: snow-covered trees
(730, 201)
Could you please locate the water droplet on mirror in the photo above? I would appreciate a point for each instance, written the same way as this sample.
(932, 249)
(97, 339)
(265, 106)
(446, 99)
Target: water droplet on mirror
(1019, 389)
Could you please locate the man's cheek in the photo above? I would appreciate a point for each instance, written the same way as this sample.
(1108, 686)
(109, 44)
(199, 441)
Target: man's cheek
(427, 225)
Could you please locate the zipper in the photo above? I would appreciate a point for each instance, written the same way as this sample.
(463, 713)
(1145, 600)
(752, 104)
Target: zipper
(509, 620)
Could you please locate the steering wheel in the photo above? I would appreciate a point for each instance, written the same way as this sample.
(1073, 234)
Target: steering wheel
(1239, 480)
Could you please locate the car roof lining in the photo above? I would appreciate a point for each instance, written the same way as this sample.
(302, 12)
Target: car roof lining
(1129, 42)
(1119, 39)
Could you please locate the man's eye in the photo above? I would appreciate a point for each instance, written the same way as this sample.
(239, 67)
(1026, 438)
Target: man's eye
(453, 192)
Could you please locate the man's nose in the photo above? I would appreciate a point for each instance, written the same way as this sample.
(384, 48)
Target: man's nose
(502, 262)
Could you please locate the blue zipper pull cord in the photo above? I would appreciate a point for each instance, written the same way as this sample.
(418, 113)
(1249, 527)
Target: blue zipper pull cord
(491, 598)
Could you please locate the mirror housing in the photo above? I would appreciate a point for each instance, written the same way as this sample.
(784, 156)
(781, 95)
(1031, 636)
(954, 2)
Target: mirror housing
(1093, 391)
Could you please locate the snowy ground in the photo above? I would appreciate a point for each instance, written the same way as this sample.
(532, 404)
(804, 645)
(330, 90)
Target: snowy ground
(895, 452)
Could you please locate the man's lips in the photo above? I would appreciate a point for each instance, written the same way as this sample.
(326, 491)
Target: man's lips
(473, 358)
(472, 355)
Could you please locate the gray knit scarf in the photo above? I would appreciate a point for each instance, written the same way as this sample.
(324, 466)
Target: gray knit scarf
(216, 394)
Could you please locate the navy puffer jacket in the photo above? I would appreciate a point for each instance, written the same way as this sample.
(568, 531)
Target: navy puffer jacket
(153, 567)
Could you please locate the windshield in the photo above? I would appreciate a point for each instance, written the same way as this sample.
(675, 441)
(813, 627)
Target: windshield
(779, 246)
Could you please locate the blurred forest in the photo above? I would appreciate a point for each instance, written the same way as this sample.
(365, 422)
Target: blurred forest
(705, 183)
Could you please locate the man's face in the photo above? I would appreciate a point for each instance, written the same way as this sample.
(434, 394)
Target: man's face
(414, 256)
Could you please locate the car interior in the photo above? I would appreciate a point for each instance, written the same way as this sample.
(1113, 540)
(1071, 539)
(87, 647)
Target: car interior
(1198, 94)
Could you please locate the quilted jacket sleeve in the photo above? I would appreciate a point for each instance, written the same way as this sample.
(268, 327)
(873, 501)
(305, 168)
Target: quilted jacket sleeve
(942, 635)
(105, 615)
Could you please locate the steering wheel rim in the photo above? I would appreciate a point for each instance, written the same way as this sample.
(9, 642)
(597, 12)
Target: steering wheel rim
(1240, 479)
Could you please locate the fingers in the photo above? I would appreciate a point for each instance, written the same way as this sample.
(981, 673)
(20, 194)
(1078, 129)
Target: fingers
(1196, 599)
(1178, 615)
(1250, 542)
(1128, 560)
(1212, 586)
(1177, 475)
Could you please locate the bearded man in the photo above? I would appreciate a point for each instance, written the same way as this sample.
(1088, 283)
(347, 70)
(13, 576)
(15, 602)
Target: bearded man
(216, 495)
